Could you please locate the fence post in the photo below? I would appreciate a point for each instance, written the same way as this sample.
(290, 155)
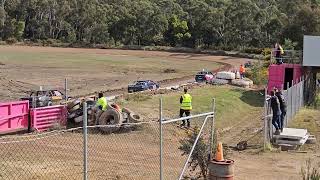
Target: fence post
(161, 139)
(292, 110)
(302, 90)
(212, 129)
(66, 89)
(265, 119)
(287, 115)
(85, 143)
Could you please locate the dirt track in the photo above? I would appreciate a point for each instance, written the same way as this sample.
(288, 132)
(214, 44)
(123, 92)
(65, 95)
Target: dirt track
(91, 70)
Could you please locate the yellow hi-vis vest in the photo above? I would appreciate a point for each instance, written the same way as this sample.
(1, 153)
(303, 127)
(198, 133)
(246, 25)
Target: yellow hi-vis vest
(103, 103)
(186, 102)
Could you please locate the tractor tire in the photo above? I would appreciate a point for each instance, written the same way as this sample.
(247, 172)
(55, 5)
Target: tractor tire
(73, 106)
(132, 117)
(126, 110)
(110, 117)
(50, 103)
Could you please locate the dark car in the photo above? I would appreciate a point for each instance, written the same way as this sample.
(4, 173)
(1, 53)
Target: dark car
(204, 76)
(248, 64)
(143, 86)
(43, 98)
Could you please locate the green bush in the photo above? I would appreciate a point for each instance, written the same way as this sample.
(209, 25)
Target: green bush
(253, 50)
(258, 74)
(11, 40)
(199, 156)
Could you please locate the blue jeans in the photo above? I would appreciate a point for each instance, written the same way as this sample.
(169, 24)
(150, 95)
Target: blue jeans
(283, 115)
(276, 121)
(279, 60)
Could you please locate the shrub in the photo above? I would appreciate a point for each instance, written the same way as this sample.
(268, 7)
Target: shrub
(11, 40)
(253, 50)
(199, 158)
(258, 74)
(309, 173)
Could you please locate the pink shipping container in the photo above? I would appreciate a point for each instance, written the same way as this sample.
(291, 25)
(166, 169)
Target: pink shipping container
(281, 75)
(14, 116)
(45, 118)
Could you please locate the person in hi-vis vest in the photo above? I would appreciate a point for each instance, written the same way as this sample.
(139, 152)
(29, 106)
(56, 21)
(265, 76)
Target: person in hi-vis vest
(185, 106)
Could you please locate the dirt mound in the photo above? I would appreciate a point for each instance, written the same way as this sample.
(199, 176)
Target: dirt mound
(170, 71)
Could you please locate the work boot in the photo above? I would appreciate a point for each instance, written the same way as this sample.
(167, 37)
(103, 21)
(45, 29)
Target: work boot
(188, 124)
(277, 132)
(282, 130)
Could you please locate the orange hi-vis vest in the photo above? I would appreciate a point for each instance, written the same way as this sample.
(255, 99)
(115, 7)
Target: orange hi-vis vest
(242, 69)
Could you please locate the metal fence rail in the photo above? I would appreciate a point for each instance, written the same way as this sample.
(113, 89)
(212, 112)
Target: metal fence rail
(289, 56)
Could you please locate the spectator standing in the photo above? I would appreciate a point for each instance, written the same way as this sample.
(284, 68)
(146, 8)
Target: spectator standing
(278, 53)
(275, 106)
(283, 108)
(242, 70)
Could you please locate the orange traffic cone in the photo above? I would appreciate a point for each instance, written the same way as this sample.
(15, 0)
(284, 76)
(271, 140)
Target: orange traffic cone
(219, 153)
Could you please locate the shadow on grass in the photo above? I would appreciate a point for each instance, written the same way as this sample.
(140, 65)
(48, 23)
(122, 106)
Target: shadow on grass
(251, 97)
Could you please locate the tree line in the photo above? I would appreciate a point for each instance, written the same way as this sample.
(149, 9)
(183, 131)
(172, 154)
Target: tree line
(190, 23)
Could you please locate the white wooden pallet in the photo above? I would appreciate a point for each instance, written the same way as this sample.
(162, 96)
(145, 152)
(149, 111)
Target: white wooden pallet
(292, 136)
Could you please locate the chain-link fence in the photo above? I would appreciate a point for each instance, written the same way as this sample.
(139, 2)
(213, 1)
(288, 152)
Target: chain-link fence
(294, 99)
(53, 155)
(145, 150)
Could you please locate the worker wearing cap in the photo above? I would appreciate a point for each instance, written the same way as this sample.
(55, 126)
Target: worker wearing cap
(102, 103)
(185, 106)
(242, 71)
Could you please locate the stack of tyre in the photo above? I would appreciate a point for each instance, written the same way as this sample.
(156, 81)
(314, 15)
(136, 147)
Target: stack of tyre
(114, 118)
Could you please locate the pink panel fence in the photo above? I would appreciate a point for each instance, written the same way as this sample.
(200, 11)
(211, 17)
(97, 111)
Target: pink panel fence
(14, 116)
(47, 117)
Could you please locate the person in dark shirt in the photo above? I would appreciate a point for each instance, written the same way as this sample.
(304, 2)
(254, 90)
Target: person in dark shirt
(275, 106)
(283, 108)
(278, 53)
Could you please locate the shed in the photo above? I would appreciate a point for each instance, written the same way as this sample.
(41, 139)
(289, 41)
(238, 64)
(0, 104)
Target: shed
(281, 75)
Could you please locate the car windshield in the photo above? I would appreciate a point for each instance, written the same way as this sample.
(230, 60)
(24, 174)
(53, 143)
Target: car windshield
(140, 83)
(202, 73)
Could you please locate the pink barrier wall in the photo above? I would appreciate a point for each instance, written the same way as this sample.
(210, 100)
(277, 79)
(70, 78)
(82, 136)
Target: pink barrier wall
(47, 117)
(14, 116)
(277, 75)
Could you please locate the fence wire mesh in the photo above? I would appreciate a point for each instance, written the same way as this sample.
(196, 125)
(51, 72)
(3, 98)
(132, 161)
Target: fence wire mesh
(178, 142)
(132, 151)
(294, 98)
(54, 155)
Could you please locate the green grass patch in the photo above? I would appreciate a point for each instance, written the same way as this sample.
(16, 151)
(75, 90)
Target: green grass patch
(233, 105)
(307, 119)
